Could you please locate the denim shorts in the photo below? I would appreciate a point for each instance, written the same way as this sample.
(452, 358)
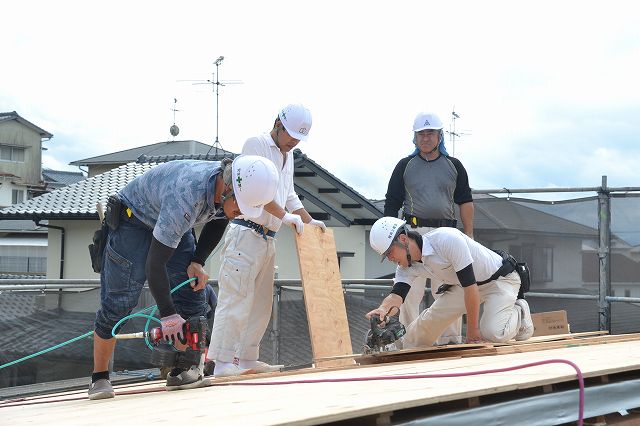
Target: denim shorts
(123, 276)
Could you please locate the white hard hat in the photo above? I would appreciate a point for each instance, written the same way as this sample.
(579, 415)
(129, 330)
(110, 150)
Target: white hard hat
(383, 232)
(426, 120)
(297, 120)
(255, 182)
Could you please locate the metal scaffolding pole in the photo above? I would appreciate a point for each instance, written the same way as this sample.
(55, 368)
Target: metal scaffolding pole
(604, 256)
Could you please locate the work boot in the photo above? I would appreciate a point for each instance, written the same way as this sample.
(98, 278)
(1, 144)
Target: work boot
(526, 324)
(187, 379)
(101, 389)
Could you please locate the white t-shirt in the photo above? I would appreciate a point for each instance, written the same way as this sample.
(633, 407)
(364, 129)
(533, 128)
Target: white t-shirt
(446, 251)
(286, 197)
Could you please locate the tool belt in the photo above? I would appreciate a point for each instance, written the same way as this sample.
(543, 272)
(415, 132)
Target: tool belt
(416, 222)
(96, 250)
(509, 264)
(260, 229)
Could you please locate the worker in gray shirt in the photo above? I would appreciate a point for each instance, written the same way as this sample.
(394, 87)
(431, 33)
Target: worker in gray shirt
(426, 185)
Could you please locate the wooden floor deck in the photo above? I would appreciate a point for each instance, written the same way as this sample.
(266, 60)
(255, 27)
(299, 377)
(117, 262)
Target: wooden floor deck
(320, 396)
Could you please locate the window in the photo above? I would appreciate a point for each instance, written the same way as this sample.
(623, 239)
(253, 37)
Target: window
(627, 292)
(17, 196)
(11, 153)
(539, 260)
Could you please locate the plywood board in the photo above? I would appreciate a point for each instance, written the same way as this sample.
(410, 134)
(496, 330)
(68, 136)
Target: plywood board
(549, 323)
(316, 397)
(323, 296)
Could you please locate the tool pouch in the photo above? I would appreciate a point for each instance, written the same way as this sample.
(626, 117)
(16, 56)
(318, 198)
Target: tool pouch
(96, 250)
(525, 276)
(112, 214)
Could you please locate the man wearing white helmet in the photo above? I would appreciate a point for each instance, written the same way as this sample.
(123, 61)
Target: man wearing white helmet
(151, 238)
(426, 185)
(246, 275)
(478, 274)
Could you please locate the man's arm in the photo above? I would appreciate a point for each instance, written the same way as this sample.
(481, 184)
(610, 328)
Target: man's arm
(156, 270)
(395, 191)
(466, 214)
(472, 304)
(467, 279)
(210, 236)
(389, 302)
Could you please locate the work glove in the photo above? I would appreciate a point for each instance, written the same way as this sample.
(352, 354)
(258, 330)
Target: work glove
(172, 328)
(295, 220)
(319, 224)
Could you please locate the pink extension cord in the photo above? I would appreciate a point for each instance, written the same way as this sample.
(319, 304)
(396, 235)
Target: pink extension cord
(430, 376)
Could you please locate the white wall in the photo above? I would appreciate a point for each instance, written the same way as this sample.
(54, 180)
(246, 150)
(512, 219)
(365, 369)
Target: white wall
(78, 236)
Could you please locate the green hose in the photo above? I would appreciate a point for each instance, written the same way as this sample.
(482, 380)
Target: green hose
(90, 333)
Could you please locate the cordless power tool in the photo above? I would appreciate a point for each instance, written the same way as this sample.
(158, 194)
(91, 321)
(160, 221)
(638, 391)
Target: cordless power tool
(382, 334)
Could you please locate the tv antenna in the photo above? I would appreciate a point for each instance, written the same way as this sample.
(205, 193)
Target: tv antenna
(452, 131)
(216, 83)
(174, 130)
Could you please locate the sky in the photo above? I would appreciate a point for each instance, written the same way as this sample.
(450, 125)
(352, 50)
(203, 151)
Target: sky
(547, 91)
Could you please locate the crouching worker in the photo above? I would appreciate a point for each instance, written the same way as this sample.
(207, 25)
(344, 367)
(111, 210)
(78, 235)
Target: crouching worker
(151, 238)
(479, 275)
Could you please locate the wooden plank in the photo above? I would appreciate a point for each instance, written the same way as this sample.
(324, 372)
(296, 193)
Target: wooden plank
(547, 323)
(323, 296)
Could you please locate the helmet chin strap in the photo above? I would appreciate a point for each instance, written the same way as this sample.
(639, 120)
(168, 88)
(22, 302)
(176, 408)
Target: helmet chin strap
(406, 248)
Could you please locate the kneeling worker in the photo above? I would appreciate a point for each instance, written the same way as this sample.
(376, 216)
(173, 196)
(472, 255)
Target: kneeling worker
(447, 255)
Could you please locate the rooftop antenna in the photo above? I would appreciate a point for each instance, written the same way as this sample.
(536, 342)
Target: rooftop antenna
(174, 130)
(216, 83)
(452, 131)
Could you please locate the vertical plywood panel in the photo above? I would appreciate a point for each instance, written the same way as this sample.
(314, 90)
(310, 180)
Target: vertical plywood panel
(323, 296)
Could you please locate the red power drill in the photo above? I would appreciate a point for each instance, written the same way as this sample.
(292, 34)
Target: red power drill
(164, 353)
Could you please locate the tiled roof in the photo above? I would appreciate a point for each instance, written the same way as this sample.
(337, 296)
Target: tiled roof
(61, 177)
(8, 116)
(343, 206)
(76, 201)
(157, 149)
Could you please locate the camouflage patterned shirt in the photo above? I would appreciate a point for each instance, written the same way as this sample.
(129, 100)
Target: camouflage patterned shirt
(173, 197)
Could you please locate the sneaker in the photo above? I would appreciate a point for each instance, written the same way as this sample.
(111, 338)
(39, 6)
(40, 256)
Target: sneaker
(526, 324)
(188, 379)
(101, 389)
(231, 370)
(263, 367)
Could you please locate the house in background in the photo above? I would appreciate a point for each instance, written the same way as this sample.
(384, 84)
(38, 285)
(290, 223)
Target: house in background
(23, 244)
(72, 211)
(20, 159)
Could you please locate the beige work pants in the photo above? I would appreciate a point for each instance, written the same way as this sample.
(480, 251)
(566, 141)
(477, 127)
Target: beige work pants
(245, 296)
(499, 322)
